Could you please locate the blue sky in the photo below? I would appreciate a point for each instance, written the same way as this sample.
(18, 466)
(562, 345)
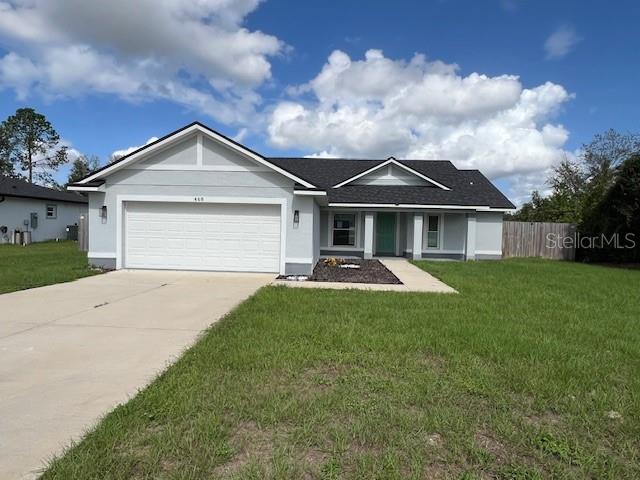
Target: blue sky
(111, 79)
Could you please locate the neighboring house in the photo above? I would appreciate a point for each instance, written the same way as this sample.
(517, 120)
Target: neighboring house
(198, 200)
(44, 212)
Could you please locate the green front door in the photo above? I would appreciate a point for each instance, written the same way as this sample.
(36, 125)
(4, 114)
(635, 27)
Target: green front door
(386, 234)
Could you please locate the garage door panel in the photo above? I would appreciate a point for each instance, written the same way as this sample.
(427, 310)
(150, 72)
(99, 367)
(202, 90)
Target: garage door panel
(202, 236)
(175, 243)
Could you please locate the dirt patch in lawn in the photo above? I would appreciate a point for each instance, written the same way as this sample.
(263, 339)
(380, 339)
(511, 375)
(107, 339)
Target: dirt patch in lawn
(250, 443)
(353, 271)
(488, 442)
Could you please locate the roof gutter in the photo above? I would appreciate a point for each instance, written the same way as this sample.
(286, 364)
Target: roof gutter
(478, 208)
(310, 193)
(80, 188)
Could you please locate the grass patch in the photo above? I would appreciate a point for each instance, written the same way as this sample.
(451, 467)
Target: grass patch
(40, 264)
(515, 377)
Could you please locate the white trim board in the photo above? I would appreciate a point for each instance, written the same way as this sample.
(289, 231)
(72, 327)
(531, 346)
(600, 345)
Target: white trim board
(199, 150)
(439, 252)
(394, 162)
(205, 168)
(488, 252)
(481, 208)
(121, 215)
(86, 189)
(310, 193)
(181, 134)
(101, 255)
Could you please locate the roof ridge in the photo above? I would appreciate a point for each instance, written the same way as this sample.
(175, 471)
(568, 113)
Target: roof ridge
(360, 159)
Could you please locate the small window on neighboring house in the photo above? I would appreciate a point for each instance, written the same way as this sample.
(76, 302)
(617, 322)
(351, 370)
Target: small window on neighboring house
(344, 229)
(52, 211)
(433, 231)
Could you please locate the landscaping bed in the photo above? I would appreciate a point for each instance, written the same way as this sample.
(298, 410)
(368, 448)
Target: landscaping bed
(348, 271)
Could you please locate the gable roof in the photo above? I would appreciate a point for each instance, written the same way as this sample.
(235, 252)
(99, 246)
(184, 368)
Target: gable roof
(467, 188)
(450, 187)
(391, 161)
(176, 136)
(15, 187)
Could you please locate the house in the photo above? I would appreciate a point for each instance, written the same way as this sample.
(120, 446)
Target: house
(44, 212)
(198, 200)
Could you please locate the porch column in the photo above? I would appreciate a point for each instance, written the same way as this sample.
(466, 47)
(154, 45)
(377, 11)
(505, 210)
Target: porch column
(470, 244)
(418, 220)
(368, 235)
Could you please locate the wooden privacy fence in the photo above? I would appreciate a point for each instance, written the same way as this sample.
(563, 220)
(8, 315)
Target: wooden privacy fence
(539, 239)
(83, 233)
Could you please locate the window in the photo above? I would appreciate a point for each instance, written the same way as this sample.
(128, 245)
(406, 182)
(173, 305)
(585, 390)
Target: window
(433, 231)
(52, 211)
(344, 229)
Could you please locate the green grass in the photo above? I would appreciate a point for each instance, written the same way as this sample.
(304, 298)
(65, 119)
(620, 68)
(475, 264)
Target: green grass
(41, 264)
(515, 377)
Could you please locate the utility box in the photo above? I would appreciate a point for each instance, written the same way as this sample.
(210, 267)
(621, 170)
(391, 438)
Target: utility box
(34, 220)
(72, 232)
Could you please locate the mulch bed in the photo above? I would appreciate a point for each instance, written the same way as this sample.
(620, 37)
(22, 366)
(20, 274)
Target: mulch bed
(370, 271)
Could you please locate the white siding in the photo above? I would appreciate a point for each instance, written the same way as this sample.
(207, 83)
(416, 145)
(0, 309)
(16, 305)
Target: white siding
(14, 211)
(390, 175)
(226, 174)
(489, 233)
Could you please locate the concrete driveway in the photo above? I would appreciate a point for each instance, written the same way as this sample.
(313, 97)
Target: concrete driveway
(70, 352)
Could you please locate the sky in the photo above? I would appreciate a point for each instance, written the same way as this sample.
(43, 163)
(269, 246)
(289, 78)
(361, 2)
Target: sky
(510, 87)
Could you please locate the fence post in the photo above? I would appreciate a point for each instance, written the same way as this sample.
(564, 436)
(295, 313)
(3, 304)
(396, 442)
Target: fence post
(83, 234)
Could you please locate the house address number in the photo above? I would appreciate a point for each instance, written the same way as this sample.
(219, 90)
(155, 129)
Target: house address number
(198, 199)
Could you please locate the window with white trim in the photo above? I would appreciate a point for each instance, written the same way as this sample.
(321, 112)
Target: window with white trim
(433, 231)
(52, 211)
(344, 229)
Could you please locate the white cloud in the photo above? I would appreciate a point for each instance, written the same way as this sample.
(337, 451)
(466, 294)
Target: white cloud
(561, 42)
(128, 150)
(194, 52)
(377, 107)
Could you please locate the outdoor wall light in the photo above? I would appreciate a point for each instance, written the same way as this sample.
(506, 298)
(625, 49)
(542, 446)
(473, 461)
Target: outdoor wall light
(103, 213)
(296, 218)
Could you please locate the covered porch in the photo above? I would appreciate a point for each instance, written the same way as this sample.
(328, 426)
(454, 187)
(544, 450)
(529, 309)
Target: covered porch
(396, 232)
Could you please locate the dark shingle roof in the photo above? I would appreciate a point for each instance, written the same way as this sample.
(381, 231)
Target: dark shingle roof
(14, 187)
(467, 187)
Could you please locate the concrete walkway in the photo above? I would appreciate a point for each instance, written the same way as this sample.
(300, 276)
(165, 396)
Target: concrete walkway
(413, 278)
(70, 352)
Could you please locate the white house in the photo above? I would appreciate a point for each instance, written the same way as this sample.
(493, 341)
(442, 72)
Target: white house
(44, 212)
(196, 199)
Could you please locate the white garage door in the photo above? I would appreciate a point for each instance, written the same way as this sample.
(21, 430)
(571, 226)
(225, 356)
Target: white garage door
(202, 236)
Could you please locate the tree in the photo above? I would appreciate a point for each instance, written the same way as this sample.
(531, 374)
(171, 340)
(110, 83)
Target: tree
(568, 183)
(602, 158)
(579, 186)
(29, 141)
(606, 152)
(6, 166)
(617, 214)
(82, 166)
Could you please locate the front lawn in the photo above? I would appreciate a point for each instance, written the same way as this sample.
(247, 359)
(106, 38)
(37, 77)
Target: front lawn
(531, 371)
(41, 264)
